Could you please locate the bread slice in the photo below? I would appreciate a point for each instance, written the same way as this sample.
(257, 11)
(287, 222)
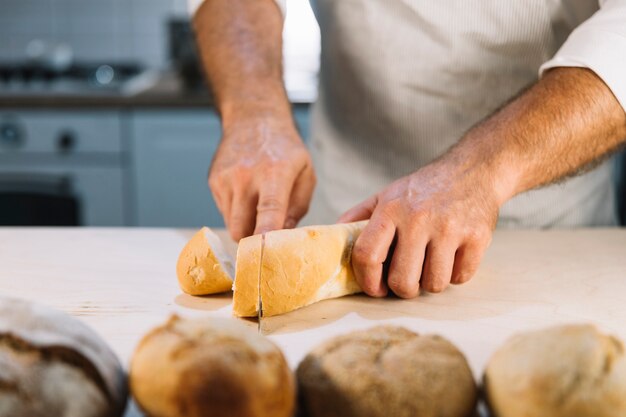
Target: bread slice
(204, 266)
(246, 286)
(298, 267)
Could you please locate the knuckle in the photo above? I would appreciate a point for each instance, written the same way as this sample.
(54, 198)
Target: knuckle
(370, 286)
(480, 236)
(270, 204)
(391, 207)
(404, 288)
(448, 227)
(435, 285)
(462, 277)
(419, 215)
(364, 256)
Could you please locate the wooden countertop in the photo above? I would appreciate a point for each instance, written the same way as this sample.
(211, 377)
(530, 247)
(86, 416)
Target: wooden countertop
(122, 282)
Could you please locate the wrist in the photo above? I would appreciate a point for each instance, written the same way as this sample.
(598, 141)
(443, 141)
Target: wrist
(256, 105)
(490, 165)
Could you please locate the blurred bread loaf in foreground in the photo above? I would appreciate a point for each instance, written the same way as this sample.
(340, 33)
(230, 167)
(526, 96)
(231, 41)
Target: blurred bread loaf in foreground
(564, 371)
(298, 267)
(52, 365)
(386, 371)
(210, 367)
(204, 267)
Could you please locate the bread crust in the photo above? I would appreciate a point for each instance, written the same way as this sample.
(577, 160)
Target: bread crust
(210, 367)
(52, 364)
(246, 285)
(203, 265)
(562, 371)
(386, 371)
(306, 265)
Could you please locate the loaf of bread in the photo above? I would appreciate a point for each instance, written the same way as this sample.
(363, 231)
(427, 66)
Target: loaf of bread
(563, 371)
(386, 371)
(209, 367)
(53, 365)
(297, 267)
(204, 267)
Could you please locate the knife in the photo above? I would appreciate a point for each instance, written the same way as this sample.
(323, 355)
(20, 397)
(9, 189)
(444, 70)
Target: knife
(260, 301)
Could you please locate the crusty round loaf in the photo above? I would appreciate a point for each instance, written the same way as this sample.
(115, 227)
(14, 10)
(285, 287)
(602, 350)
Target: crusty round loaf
(386, 371)
(53, 365)
(564, 371)
(210, 367)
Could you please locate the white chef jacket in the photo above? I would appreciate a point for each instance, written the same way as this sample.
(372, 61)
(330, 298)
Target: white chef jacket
(402, 80)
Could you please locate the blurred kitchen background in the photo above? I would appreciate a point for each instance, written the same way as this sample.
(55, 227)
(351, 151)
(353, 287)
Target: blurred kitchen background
(104, 116)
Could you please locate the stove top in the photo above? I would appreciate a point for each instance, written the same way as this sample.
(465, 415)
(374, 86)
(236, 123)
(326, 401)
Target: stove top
(80, 78)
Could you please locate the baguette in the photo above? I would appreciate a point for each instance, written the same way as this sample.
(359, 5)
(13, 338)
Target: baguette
(204, 267)
(298, 267)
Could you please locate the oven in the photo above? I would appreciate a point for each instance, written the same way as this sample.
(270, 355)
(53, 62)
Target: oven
(62, 168)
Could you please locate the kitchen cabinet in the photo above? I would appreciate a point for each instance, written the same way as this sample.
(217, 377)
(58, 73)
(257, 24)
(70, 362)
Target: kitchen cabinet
(67, 168)
(171, 151)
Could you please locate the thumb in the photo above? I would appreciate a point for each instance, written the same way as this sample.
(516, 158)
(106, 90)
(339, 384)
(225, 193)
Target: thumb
(362, 211)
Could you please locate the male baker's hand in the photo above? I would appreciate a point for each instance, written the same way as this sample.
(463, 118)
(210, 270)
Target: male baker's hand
(261, 177)
(441, 220)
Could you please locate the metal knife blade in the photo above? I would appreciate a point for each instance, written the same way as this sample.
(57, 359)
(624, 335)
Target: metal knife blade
(260, 301)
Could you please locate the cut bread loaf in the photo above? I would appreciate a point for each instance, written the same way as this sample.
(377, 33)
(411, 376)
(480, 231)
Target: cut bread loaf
(246, 286)
(204, 266)
(297, 267)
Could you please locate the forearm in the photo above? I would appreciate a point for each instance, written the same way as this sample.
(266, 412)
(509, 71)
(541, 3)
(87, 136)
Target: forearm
(240, 43)
(564, 123)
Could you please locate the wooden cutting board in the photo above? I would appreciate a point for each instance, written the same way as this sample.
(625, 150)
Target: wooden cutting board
(122, 282)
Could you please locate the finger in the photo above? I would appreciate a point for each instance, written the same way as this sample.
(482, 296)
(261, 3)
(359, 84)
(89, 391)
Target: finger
(438, 266)
(370, 251)
(466, 262)
(222, 196)
(300, 198)
(362, 211)
(242, 212)
(407, 262)
(223, 201)
(271, 209)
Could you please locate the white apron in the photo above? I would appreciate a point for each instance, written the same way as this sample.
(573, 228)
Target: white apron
(402, 80)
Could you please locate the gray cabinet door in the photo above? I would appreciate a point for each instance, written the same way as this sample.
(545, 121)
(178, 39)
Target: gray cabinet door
(171, 154)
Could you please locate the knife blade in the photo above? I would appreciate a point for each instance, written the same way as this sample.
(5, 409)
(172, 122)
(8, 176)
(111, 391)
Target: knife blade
(260, 301)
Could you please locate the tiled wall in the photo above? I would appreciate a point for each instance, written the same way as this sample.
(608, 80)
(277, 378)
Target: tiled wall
(95, 29)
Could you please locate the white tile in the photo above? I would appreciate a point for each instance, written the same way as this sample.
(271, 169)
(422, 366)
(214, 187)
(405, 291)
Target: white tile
(26, 25)
(179, 7)
(94, 48)
(150, 49)
(19, 9)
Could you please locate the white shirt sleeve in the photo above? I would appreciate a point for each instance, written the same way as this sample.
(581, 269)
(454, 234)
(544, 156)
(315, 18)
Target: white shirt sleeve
(599, 44)
(193, 5)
